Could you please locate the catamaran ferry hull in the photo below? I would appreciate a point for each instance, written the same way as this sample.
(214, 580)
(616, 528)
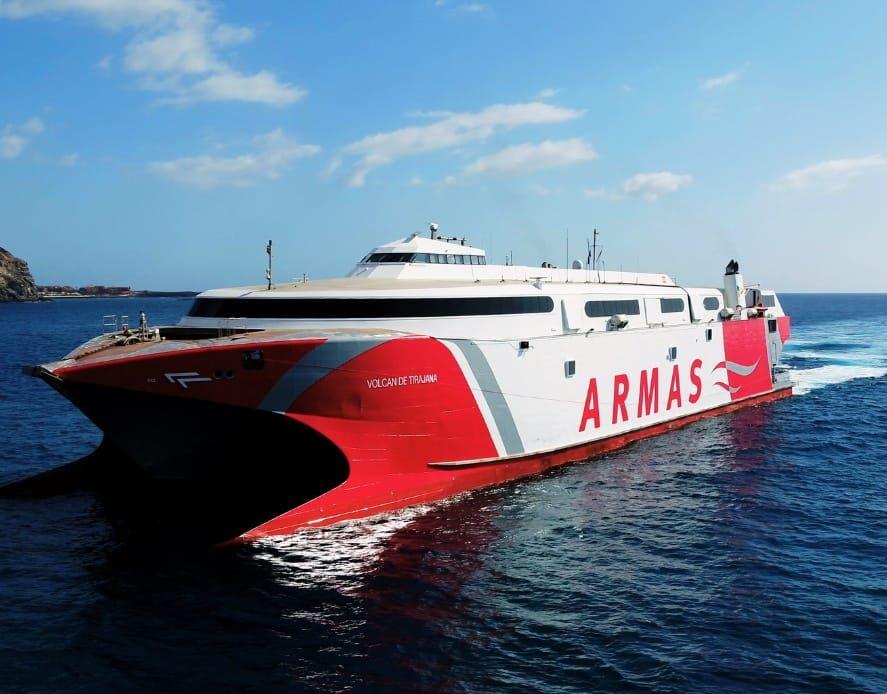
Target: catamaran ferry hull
(356, 423)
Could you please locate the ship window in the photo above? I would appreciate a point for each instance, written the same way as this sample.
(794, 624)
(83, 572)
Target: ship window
(772, 326)
(671, 305)
(370, 308)
(432, 257)
(389, 258)
(708, 334)
(451, 259)
(603, 309)
(769, 300)
(570, 368)
(252, 360)
(711, 303)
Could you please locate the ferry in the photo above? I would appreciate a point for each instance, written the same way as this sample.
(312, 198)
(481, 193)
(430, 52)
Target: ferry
(424, 373)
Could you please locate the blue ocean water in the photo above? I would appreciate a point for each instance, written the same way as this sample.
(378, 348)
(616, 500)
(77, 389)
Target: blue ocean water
(745, 552)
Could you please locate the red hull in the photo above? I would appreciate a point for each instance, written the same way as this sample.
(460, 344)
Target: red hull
(370, 422)
(359, 498)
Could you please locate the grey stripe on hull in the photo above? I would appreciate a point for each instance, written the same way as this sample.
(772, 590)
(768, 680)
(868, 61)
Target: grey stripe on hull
(311, 368)
(486, 379)
(742, 369)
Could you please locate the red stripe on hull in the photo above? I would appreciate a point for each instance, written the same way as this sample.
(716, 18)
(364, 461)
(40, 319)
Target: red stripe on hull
(784, 324)
(745, 344)
(360, 496)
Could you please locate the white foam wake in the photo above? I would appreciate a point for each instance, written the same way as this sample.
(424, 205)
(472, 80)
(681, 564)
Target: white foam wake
(851, 349)
(806, 380)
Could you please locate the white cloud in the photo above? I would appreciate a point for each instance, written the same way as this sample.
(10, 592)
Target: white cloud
(16, 138)
(723, 80)
(104, 65)
(448, 131)
(548, 93)
(416, 181)
(69, 159)
(12, 145)
(229, 35)
(528, 157)
(175, 47)
(474, 7)
(273, 152)
(651, 185)
(601, 193)
(262, 87)
(32, 126)
(834, 174)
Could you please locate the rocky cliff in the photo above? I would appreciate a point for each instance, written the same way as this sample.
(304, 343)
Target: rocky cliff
(16, 283)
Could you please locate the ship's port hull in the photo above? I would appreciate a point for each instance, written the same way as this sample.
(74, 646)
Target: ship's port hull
(443, 480)
(176, 440)
(245, 466)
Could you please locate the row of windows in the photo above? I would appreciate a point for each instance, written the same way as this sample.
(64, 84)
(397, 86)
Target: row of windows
(416, 308)
(438, 258)
(450, 259)
(629, 307)
(370, 308)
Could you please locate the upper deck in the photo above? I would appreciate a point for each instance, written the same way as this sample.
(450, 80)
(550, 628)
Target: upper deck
(446, 288)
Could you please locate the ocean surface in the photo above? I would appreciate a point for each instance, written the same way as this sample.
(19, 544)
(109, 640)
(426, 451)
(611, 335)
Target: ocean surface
(745, 552)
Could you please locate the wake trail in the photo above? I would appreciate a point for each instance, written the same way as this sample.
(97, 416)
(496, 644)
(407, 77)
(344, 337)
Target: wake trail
(842, 351)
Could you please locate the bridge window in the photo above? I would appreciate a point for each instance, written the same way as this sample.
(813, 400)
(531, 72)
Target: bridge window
(769, 300)
(711, 303)
(439, 258)
(604, 309)
(671, 305)
(389, 258)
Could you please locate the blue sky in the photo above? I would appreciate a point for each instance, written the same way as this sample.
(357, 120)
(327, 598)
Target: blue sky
(160, 143)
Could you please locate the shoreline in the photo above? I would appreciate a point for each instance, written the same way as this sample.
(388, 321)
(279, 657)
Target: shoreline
(133, 295)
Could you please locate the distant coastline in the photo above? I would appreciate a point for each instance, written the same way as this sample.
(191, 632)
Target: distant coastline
(17, 284)
(50, 293)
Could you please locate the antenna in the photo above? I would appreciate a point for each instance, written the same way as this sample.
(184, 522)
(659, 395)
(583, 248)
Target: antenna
(594, 255)
(567, 264)
(268, 271)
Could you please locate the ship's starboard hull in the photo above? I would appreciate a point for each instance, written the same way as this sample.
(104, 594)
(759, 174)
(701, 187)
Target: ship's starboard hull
(353, 425)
